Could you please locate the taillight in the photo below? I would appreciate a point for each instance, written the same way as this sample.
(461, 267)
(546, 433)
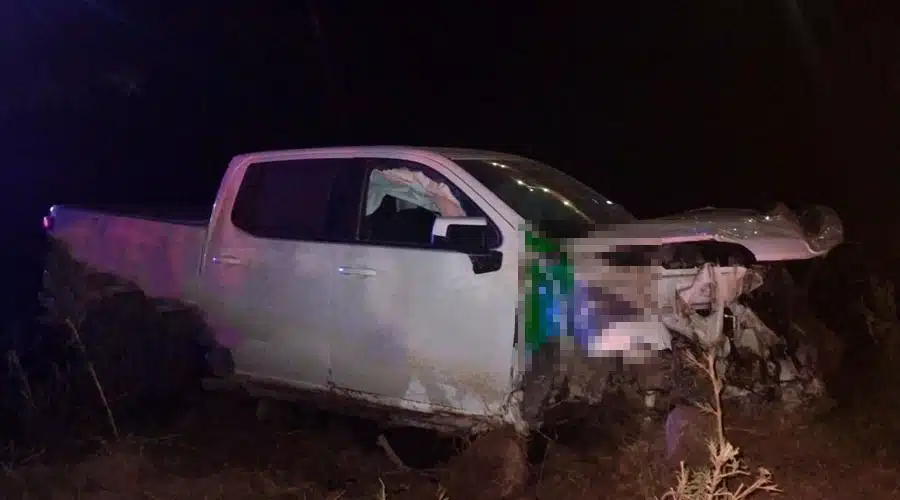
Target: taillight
(47, 222)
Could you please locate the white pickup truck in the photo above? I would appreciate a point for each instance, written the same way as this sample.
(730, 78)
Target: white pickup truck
(391, 277)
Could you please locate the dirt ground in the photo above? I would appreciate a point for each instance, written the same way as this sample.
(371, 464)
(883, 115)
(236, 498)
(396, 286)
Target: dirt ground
(223, 449)
(219, 446)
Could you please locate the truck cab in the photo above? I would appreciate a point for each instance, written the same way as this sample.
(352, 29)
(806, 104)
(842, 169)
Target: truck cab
(322, 270)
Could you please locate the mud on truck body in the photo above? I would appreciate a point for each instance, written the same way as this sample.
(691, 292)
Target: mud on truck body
(452, 289)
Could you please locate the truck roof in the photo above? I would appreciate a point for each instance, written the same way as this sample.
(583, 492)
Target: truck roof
(451, 153)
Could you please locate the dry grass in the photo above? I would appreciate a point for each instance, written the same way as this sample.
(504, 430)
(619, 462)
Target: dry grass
(232, 456)
(244, 460)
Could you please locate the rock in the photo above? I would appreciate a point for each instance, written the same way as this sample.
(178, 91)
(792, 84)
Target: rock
(688, 430)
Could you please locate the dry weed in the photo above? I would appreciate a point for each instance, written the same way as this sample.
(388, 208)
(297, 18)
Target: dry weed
(712, 481)
(66, 298)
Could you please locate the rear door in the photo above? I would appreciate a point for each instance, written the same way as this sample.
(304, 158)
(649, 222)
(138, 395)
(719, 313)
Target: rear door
(271, 265)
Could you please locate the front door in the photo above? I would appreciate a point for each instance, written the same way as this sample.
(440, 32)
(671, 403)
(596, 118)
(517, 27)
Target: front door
(271, 264)
(417, 326)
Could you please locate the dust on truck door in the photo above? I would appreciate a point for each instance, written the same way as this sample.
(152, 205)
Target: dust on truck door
(270, 267)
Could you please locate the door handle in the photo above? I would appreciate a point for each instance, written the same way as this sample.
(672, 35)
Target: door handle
(362, 272)
(229, 260)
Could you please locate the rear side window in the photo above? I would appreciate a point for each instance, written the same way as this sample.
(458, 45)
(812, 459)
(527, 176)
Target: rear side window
(313, 199)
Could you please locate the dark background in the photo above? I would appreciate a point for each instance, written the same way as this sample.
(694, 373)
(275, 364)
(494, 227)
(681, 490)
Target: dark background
(660, 105)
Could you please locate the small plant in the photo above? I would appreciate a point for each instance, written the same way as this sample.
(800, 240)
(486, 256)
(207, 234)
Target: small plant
(711, 482)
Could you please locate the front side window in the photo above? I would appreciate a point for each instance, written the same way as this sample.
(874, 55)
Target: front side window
(297, 200)
(553, 201)
(403, 199)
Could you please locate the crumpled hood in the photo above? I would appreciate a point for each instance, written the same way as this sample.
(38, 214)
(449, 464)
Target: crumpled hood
(776, 235)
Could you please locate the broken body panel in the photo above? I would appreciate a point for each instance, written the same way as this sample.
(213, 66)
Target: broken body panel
(690, 274)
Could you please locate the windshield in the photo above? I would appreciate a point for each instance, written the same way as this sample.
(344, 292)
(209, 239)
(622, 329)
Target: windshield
(546, 197)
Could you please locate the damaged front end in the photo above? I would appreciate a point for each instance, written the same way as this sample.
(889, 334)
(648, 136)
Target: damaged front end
(615, 308)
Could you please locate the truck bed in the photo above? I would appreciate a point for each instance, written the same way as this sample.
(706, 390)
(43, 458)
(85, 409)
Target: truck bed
(186, 215)
(157, 249)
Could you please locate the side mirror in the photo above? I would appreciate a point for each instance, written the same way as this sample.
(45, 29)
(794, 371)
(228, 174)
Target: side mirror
(464, 234)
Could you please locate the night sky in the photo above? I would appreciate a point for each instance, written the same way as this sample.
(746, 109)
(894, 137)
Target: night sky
(660, 105)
